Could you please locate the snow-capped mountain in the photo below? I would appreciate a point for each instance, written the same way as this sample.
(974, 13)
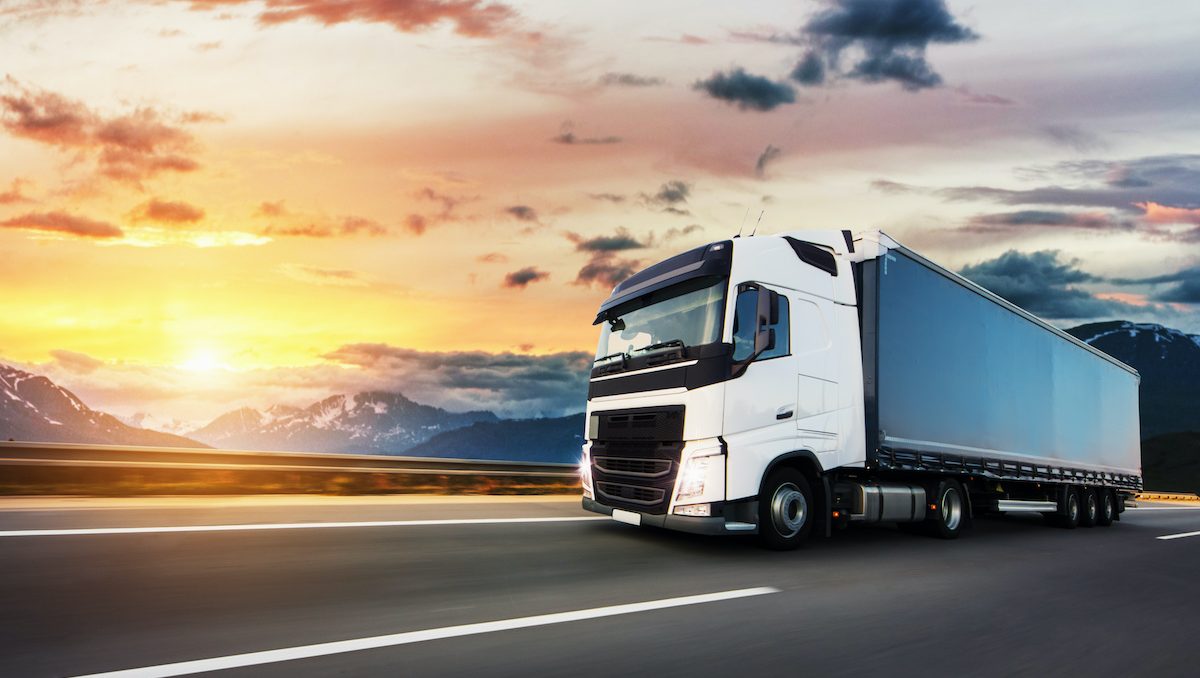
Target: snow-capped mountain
(33, 408)
(1169, 362)
(150, 422)
(374, 422)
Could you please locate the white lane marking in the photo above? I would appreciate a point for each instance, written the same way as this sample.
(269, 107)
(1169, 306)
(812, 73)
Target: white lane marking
(1181, 535)
(290, 526)
(338, 647)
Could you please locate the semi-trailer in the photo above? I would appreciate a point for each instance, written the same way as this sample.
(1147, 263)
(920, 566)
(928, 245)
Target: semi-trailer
(809, 380)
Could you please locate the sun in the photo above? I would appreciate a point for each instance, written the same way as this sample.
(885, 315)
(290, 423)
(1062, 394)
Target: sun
(203, 360)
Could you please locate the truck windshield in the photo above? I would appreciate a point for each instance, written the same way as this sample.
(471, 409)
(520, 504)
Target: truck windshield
(674, 319)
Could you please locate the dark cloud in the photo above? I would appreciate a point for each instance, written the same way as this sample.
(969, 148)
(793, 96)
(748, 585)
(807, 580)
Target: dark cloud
(522, 278)
(629, 80)
(746, 91)
(448, 203)
(15, 193)
(1041, 283)
(673, 233)
(509, 383)
(888, 38)
(566, 135)
(61, 222)
(166, 211)
(1184, 285)
(1073, 137)
(471, 18)
(1013, 221)
(606, 270)
(128, 148)
(810, 70)
(607, 197)
(522, 213)
(769, 155)
(621, 240)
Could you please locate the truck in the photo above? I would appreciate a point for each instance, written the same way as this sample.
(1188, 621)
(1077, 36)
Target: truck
(810, 380)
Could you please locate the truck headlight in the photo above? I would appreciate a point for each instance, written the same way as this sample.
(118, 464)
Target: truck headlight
(702, 478)
(585, 474)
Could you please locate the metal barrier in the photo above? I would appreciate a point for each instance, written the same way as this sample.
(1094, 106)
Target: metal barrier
(38, 468)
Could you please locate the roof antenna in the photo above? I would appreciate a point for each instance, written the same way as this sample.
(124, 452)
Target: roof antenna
(757, 223)
(739, 233)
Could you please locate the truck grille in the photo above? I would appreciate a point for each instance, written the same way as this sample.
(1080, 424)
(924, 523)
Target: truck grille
(635, 475)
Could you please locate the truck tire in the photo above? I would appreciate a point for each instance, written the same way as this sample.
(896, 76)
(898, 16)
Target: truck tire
(1068, 518)
(947, 521)
(1089, 507)
(1108, 508)
(785, 510)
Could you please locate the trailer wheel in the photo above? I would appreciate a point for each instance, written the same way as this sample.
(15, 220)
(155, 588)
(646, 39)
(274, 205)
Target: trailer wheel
(1108, 508)
(785, 510)
(951, 510)
(1069, 517)
(1089, 513)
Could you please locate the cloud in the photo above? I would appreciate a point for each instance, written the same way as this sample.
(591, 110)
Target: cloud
(492, 258)
(348, 226)
(79, 363)
(165, 211)
(607, 197)
(606, 269)
(15, 193)
(629, 80)
(416, 224)
(746, 91)
(447, 202)
(1044, 285)
(522, 278)
(329, 277)
(1007, 222)
(683, 39)
(887, 37)
(522, 213)
(61, 222)
(1185, 288)
(129, 148)
(671, 197)
(622, 240)
(470, 18)
(769, 155)
(271, 209)
(982, 98)
(1073, 137)
(674, 232)
(567, 136)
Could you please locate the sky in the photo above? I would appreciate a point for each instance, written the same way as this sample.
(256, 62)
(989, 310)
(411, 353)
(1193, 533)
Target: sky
(211, 204)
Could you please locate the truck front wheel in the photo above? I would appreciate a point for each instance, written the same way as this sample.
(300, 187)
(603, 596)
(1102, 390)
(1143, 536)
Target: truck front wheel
(785, 510)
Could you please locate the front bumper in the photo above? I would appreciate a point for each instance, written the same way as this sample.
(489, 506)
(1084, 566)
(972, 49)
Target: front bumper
(693, 524)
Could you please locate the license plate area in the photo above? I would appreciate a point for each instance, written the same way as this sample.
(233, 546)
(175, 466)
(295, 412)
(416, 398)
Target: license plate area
(627, 517)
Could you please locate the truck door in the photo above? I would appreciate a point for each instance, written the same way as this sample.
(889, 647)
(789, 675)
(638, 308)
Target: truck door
(760, 405)
(817, 395)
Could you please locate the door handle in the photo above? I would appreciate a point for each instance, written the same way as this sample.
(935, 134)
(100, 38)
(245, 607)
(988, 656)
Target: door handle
(784, 412)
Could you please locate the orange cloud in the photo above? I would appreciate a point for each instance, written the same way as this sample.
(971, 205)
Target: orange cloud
(1163, 214)
(165, 211)
(14, 194)
(61, 222)
(129, 147)
(472, 18)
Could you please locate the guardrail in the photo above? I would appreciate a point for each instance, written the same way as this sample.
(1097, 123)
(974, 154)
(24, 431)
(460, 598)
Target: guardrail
(68, 468)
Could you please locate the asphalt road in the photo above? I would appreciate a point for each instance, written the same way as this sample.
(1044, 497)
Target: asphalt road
(1011, 597)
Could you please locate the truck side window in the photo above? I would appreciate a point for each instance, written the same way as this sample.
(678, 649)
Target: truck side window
(744, 311)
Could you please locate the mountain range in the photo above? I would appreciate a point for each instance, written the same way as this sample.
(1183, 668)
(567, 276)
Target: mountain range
(33, 408)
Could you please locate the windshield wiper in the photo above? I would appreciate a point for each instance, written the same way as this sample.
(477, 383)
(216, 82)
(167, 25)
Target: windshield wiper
(662, 344)
(624, 356)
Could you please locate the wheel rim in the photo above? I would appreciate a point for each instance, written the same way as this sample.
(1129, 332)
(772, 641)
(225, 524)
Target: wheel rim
(1108, 507)
(1091, 507)
(951, 509)
(1073, 507)
(789, 510)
